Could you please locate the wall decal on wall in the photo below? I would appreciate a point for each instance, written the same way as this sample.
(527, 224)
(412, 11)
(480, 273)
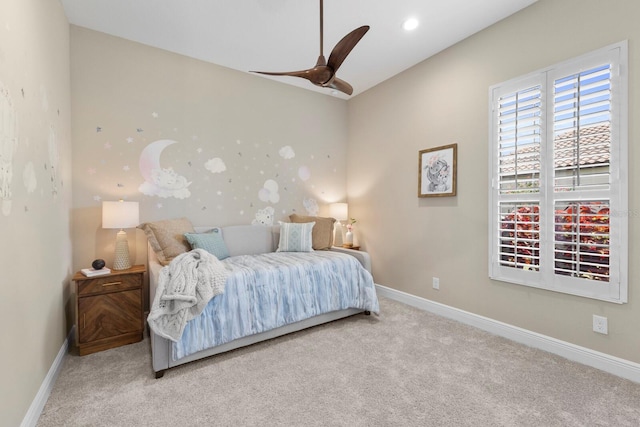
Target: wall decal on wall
(159, 181)
(29, 177)
(215, 165)
(54, 159)
(264, 216)
(8, 146)
(304, 173)
(269, 192)
(184, 166)
(287, 152)
(311, 205)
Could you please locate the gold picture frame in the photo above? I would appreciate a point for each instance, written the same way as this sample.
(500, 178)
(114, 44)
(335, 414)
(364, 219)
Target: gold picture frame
(437, 170)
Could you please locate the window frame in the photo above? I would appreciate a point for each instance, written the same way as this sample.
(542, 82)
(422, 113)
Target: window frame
(544, 277)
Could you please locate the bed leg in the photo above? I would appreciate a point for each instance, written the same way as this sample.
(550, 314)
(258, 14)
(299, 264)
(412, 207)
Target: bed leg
(367, 313)
(160, 374)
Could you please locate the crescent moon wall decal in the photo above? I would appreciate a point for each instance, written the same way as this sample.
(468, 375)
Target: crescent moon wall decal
(158, 181)
(150, 157)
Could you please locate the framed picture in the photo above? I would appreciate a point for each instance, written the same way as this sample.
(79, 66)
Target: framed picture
(437, 171)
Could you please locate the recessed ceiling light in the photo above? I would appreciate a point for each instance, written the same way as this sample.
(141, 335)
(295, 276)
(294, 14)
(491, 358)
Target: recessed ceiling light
(410, 24)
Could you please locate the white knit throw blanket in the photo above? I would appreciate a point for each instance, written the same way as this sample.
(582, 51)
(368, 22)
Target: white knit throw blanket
(185, 286)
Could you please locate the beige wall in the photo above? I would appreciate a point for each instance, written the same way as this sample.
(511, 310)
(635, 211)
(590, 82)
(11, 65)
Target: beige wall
(445, 100)
(35, 197)
(127, 96)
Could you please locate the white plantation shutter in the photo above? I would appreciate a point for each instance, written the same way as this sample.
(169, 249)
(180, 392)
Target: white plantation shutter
(558, 207)
(519, 230)
(582, 161)
(582, 129)
(519, 129)
(581, 239)
(519, 116)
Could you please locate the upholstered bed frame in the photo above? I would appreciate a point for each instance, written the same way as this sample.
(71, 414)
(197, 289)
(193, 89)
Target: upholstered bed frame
(240, 240)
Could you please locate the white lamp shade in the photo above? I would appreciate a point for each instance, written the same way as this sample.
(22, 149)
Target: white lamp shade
(339, 211)
(120, 214)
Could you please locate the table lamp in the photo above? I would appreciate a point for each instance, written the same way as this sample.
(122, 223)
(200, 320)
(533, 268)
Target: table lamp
(120, 215)
(340, 212)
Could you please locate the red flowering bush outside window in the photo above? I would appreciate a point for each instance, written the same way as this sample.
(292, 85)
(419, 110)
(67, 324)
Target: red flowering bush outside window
(582, 240)
(520, 237)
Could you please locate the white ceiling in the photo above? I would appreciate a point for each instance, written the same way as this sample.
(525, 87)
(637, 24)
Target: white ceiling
(283, 35)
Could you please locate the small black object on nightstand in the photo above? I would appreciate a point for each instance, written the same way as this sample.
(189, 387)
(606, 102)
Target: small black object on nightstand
(98, 264)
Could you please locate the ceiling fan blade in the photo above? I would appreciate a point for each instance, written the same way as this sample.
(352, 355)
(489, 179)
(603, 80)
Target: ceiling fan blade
(341, 85)
(344, 47)
(317, 75)
(302, 73)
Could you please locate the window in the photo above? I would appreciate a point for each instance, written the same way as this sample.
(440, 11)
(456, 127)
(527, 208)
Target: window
(558, 177)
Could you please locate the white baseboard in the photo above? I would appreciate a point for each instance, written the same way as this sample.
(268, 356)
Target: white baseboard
(605, 362)
(33, 414)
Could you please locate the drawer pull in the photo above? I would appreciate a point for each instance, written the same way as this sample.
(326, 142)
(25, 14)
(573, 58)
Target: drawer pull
(104, 285)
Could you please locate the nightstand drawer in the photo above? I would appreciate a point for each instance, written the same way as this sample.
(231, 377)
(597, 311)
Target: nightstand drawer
(110, 283)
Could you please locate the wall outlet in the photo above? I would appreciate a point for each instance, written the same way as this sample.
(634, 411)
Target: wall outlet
(600, 324)
(436, 283)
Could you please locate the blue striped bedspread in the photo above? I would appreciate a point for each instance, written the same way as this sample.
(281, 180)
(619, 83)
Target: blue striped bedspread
(270, 290)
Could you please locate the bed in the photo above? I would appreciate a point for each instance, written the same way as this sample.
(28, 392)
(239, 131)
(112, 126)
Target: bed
(267, 294)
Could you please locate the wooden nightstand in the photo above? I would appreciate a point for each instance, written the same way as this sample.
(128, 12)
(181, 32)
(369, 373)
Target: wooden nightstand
(109, 309)
(355, 248)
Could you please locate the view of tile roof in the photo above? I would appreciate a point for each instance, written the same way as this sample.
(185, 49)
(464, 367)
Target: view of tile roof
(593, 145)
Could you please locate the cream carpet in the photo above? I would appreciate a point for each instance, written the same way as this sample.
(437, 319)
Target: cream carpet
(404, 368)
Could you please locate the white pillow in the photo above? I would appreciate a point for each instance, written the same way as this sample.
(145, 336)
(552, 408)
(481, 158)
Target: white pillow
(295, 237)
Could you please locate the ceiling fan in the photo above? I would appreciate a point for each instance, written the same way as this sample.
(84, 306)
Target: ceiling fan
(324, 73)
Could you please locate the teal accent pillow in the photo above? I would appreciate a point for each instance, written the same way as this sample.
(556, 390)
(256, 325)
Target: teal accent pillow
(295, 237)
(211, 242)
